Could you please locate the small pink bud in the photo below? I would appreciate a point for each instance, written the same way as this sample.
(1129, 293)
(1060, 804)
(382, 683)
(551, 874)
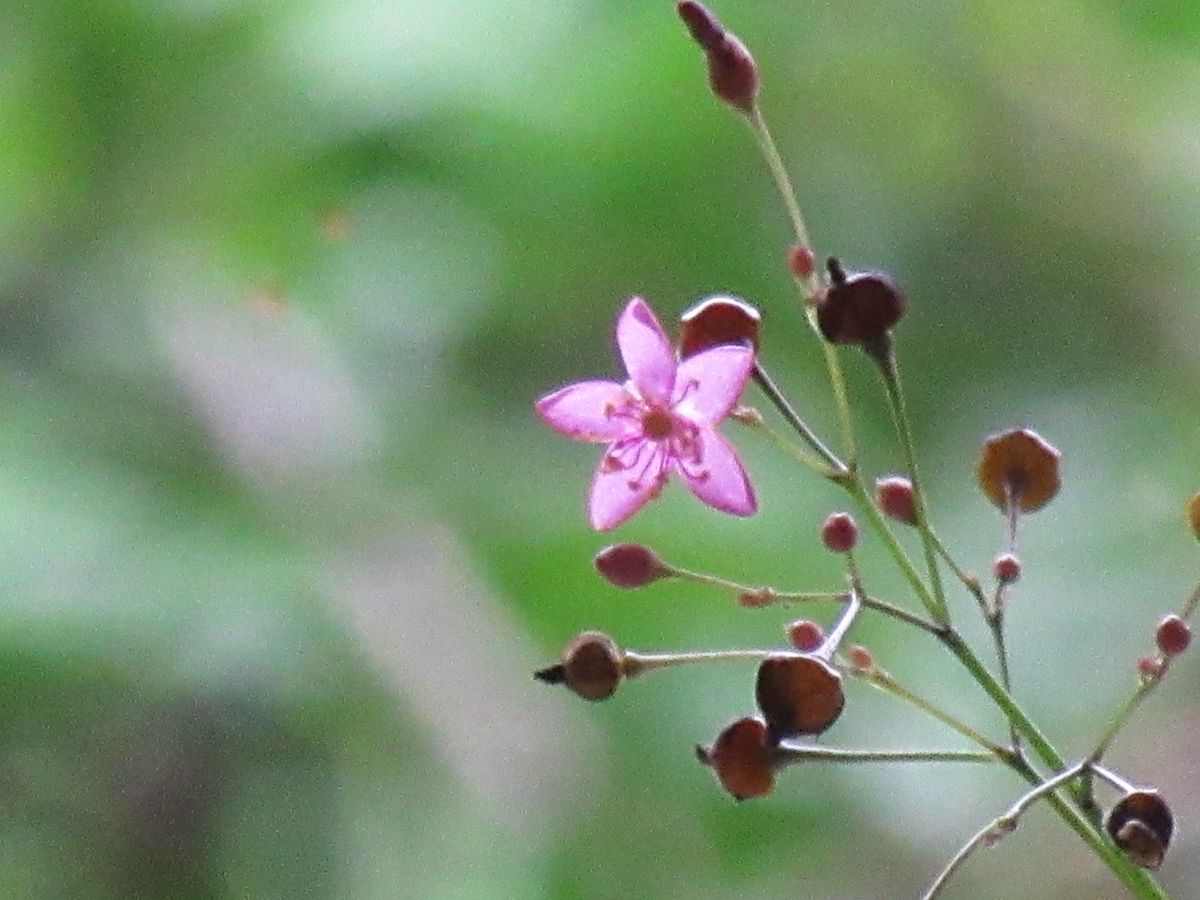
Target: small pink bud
(732, 72)
(839, 533)
(894, 496)
(630, 565)
(1149, 666)
(1173, 636)
(805, 635)
(801, 261)
(756, 598)
(860, 657)
(1007, 568)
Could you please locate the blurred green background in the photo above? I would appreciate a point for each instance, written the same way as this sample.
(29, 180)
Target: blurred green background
(282, 541)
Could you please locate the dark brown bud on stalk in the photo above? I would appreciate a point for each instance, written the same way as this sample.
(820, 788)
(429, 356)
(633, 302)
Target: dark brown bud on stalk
(839, 534)
(1020, 465)
(858, 308)
(592, 666)
(630, 565)
(1173, 636)
(798, 695)
(717, 321)
(732, 72)
(801, 261)
(1007, 568)
(894, 497)
(742, 759)
(1194, 515)
(805, 635)
(1141, 824)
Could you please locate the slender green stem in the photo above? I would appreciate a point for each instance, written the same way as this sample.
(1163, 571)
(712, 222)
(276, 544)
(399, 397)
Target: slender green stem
(838, 632)
(634, 663)
(787, 754)
(1145, 687)
(811, 283)
(885, 682)
(763, 380)
(771, 596)
(858, 491)
(886, 359)
(1002, 825)
(970, 582)
(751, 418)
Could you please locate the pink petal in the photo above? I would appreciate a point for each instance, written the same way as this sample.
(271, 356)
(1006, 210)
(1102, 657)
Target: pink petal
(718, 478)
(585, 411)
(647, 352)
(709, 384)
(615, 493)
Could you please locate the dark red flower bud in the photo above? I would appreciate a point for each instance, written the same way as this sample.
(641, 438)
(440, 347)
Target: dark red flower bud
(630, 565)
(1141, 824)
(732, 72)
(839, 534)
(798, 695)
(858, 308)
(742, 759)
(894, 496)
(1007, 568)
(717, 321)
(801, 261)
(1173, 636)
(1021, 465)
(805, 635)
(592, 666)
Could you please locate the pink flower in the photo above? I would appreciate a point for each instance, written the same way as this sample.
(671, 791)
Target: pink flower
(663, 418)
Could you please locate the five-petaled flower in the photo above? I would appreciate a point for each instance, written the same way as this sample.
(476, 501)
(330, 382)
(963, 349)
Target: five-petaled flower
(663, 418)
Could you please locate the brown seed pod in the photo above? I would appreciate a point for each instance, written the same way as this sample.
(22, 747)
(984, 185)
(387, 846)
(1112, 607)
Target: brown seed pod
(742, 759)
(592, 666)
(1193, 511)
(1020, 464)
(798, 695)
(717, 321)
(1141, 824)
(860, 307)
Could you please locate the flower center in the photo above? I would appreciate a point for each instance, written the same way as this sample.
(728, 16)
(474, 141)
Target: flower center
(658, 424)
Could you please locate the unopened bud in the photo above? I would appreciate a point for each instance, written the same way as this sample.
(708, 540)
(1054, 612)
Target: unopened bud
(894, 497)
(592, 666)
(839, 534)
(717, 321)
(1193, 511)
(1149, 666)
(1173, 635)
(860, 657)
(732, 72)
(801, 261)
(742, 759)
(630, 565)
(1007, 568)
(805, 635)
(763, 596)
